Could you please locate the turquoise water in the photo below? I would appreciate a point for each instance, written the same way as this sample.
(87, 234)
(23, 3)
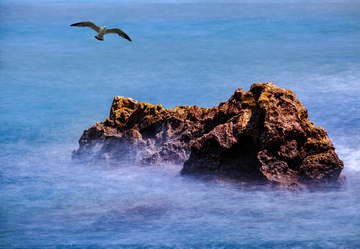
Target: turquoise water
(57, 80)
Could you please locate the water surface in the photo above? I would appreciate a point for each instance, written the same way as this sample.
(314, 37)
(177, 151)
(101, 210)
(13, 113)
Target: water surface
(57, 80)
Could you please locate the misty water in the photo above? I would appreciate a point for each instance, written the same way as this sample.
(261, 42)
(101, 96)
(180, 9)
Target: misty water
(57, 80)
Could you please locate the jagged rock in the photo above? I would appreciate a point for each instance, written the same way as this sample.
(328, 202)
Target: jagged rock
(264, 134)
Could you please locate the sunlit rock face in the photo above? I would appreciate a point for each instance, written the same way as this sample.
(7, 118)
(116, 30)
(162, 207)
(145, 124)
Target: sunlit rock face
(263, 134)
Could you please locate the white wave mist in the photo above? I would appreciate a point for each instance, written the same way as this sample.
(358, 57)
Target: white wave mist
(48, 200)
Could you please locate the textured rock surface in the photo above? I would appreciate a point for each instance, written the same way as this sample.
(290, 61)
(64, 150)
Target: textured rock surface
(264, 133)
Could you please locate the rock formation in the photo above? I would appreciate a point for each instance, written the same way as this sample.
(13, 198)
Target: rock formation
(264, 134)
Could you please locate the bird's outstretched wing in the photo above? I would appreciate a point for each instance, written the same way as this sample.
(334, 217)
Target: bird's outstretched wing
(91, 25)
(119, 32)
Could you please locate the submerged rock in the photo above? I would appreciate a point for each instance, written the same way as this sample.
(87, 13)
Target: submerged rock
(264, 134)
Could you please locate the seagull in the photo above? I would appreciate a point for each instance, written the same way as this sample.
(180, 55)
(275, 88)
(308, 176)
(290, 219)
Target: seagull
(101, 30)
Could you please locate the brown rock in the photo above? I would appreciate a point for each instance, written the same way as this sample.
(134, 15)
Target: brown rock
(261, 134)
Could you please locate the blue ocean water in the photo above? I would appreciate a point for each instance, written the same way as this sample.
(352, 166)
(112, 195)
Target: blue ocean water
(57, 80)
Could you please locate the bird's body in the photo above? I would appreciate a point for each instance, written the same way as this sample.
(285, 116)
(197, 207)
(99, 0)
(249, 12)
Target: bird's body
(100, 35)
(101, 30)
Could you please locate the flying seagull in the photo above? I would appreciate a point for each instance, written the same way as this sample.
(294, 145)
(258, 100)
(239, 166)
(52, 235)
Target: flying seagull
(101, 30)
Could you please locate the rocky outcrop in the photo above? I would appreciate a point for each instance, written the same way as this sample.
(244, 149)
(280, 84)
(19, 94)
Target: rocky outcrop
(264, 134)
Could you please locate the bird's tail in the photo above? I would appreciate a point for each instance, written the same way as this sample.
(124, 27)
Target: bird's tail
(100, 39)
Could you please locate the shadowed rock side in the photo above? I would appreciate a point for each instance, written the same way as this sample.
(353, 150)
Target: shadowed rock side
(264, 134)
